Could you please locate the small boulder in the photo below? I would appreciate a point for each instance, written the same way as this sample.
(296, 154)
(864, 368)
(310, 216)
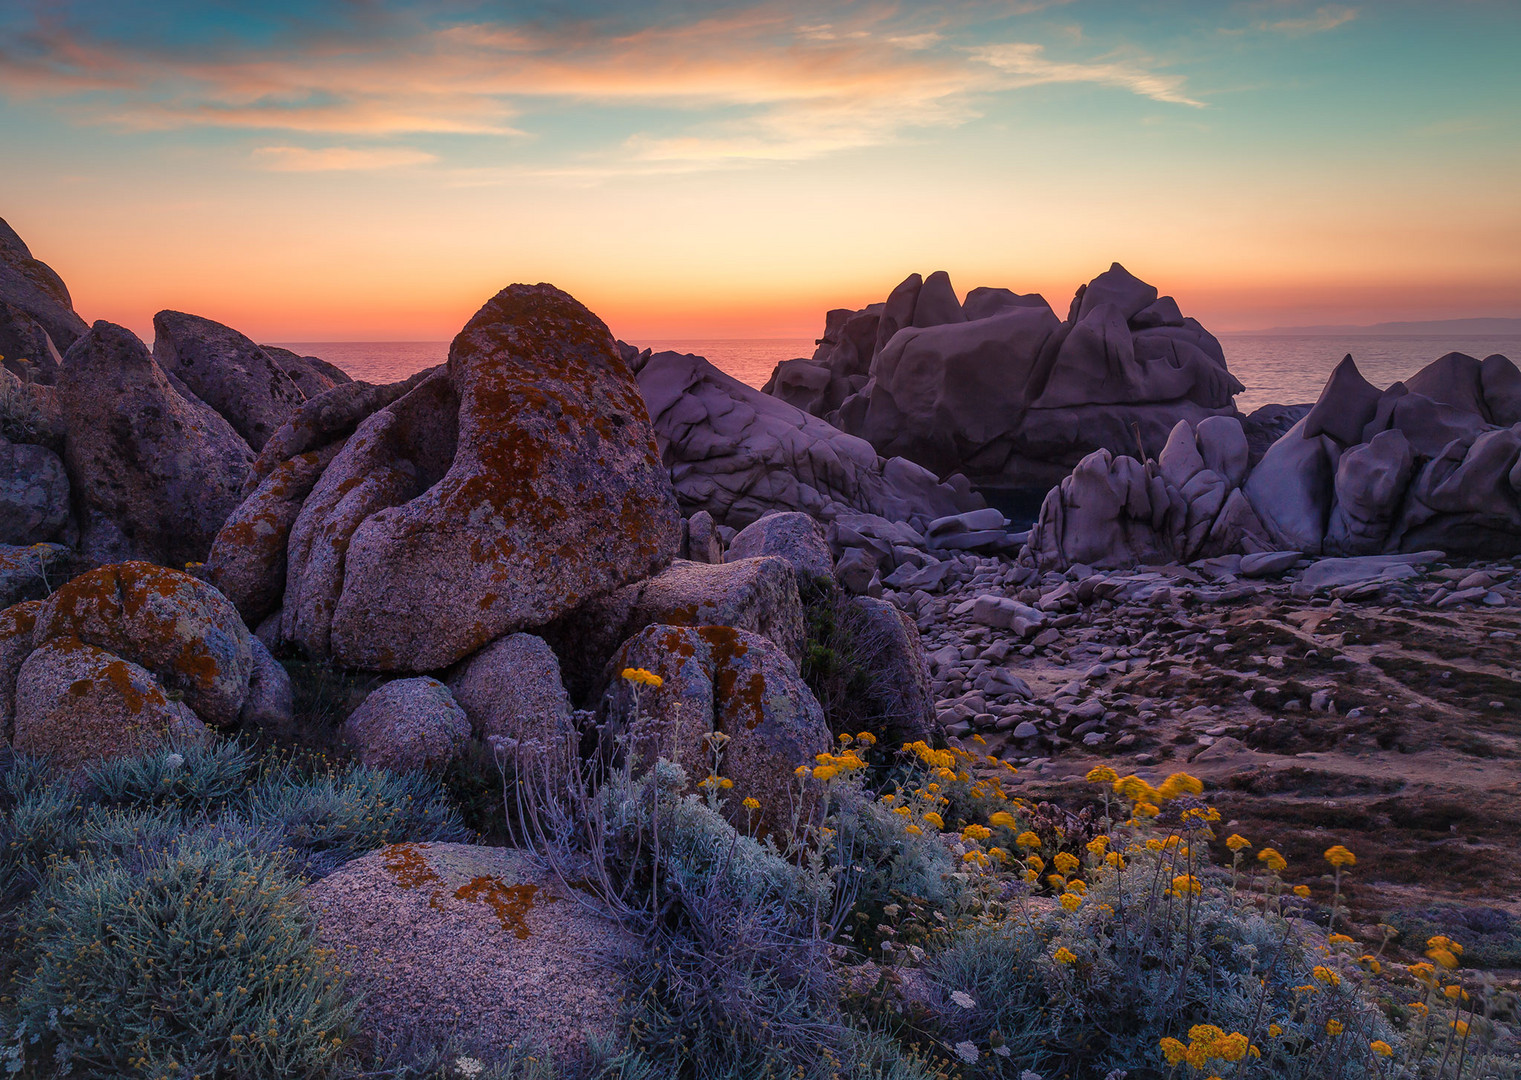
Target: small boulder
(271, 702)
(477, 944)
(408, 724)
(703, 542)
(16, 625)
(725, 680)
(897, 696)
(76, 703)
(512, 688)
(794, 536)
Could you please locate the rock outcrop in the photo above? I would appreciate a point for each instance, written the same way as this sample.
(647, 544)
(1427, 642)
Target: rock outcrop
(792, 536)
(311, 374)
(1430, 464)
(475, 944)
(228, 372)
(719, 679)
(1001, 389)
(37, 318)
(512, 689)
(737, 453)
(155, 471)
(487, 496)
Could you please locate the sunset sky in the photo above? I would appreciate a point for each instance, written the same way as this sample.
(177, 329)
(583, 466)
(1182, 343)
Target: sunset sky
(363, 170)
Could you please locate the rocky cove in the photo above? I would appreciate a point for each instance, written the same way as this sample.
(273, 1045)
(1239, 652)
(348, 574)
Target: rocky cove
(612, 578)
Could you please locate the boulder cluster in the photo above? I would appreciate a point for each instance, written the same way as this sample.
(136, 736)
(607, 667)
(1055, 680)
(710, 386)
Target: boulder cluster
(999, 388)
(1430, 463)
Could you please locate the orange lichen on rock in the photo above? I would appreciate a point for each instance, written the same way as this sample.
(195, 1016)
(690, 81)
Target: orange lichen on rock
(511, 903)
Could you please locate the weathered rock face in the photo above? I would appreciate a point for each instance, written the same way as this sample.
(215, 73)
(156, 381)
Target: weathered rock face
(311, 374)
(31, 413)
(1004, 391)
(270, 705)
(155, 472)
(26, 350)
(487, 496)
(228, 372)
(33, 289)
(792, 536)
(719, 679)
(34, 493)
(176, 626)
(1363, 472)
(737, 453)
(898, 696)
(759, 595)
(408, 724)
(76, 703)
(1186, 505)
(512, 688)
(472, 943)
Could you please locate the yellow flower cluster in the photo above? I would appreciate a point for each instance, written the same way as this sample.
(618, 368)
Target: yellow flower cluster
(642, 677)
(1340, 857)
(1207, 1043)
(1444, 951)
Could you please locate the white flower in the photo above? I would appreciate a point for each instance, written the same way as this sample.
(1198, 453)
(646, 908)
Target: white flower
(966, 1051)
(965, 1000)
(173, 761)
(469, 1067)
(1002, 1051)
(1029, 1075)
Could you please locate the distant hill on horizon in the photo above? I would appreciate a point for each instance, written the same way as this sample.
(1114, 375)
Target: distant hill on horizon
(1488, 325)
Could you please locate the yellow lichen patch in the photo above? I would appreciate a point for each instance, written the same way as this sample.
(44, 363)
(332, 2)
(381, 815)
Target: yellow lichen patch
(408, 866)
(511, 903)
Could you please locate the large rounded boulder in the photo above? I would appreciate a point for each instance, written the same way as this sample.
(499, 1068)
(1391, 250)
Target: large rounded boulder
(488, 496)
(408, 724)
(475, 943)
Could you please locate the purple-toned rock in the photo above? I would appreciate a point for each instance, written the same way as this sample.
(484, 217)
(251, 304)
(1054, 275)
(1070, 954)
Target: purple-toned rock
(76, 704)
(228, 372)
(33, 288)
(16, 625)
(795, 537)
(34, 493)
(719, 679)
(408, 724)
(311, 374)
(551, 493)
(512, 688)
(154, 471)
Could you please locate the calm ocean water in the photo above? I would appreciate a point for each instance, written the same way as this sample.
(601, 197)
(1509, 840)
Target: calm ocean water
(1282, 368)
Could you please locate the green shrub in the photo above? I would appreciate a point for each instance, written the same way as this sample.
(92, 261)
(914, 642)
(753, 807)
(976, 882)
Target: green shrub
(204, 964)
(198, 777)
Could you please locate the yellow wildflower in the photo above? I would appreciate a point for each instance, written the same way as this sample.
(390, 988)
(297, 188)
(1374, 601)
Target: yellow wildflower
(934, 819)
(1173, 1051)
(1066, 862)
(912, 830)
(1003, 820)
(1339, 857)
(751, 803)
(1101, 774)
(1333, 1027)
(866, 738)
(1302, 891)
(1381, 1048)
(1237, 843)
(1028, 840)
(1064, 955)
(1272, 860)
(1179, 784)
(643, 676)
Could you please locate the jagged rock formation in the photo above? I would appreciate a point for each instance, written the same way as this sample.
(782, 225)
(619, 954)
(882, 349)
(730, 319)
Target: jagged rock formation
(736, 453)
(37, 318)
(1000, 388)
(1429, 464)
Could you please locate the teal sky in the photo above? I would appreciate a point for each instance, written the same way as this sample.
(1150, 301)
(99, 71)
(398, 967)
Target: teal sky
(359, 169)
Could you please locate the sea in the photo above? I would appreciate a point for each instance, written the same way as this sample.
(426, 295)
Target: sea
(1283, 369)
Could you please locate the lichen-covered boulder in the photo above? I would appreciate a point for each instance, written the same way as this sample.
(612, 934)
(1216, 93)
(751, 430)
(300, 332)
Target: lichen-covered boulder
(155, 471)
(76, 703)
(725, 680)
(759, 595)
(794, 536)
(512, 688)
(312, 374)
(34, 493)
(475, 943)
(408, 724)
(16, 625)
(271, 702)
(499, 493)
(178, 627)
(228, 372)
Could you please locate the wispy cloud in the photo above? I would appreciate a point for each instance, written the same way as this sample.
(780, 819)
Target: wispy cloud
(1030, 67)
(755, 84)
(337, 158)
(1326, 18)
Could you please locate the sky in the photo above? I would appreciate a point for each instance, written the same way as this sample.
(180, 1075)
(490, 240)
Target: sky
(363, 170)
